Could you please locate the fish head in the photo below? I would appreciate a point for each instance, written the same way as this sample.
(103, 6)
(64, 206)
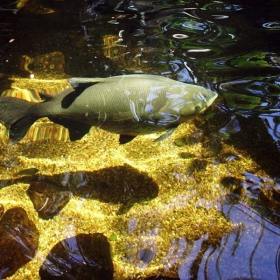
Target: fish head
(202, 99)
(191, 100)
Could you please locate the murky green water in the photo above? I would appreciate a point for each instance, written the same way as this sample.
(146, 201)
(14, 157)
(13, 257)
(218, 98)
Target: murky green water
(230, 47)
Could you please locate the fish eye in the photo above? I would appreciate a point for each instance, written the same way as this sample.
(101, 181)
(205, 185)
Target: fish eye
(197, 109)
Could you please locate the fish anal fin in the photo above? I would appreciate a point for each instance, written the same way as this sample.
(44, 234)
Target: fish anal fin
(126, 138)
(77, 130)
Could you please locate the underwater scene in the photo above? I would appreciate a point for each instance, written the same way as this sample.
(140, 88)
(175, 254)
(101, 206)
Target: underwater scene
(171, 170)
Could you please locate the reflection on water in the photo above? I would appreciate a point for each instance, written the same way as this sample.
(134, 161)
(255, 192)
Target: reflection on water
(164, 207)
(249, 252)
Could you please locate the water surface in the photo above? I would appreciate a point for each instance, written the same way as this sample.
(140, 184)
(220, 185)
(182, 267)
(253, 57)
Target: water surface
(204, 203)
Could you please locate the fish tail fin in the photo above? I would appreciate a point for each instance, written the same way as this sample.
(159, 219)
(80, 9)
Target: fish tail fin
(15, 116)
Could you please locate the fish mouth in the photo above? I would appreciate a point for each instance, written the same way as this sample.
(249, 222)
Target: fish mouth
(211, 100)
(202, 110)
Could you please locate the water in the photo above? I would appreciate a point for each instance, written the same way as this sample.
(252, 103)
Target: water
(224, 164)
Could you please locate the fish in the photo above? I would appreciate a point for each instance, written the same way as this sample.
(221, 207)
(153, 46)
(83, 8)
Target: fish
(128, 105)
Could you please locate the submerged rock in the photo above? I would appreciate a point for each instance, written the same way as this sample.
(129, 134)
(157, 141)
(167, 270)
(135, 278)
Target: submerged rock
(18, 242)
(82, 257)
(48, 199)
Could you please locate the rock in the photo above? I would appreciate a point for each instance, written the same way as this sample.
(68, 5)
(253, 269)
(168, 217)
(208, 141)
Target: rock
(82, 257)
(18, 242)
(48, 199)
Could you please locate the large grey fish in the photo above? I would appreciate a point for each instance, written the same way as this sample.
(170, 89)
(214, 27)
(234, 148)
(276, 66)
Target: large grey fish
(128, 105)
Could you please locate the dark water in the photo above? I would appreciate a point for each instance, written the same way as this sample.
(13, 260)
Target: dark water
(231, 47)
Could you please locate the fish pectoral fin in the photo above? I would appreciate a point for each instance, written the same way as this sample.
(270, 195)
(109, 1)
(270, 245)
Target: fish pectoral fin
(125, 139)
(165, 135)
(76, 129)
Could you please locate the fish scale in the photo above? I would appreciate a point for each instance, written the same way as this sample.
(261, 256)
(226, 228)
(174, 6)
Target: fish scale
(116, 98)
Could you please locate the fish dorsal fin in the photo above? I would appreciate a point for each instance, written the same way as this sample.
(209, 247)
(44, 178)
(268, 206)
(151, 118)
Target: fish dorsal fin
(71, 97)
(77, 81)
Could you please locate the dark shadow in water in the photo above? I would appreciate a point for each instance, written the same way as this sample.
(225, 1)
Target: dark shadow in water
(255, 139)
(8, 19)
(5, 83)
(261, 192)
(257, 135)
(122, 185)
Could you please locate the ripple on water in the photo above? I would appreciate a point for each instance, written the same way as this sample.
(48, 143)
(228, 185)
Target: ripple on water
(222, 7)
(196, 36)
(272, 25)
(203, 32)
